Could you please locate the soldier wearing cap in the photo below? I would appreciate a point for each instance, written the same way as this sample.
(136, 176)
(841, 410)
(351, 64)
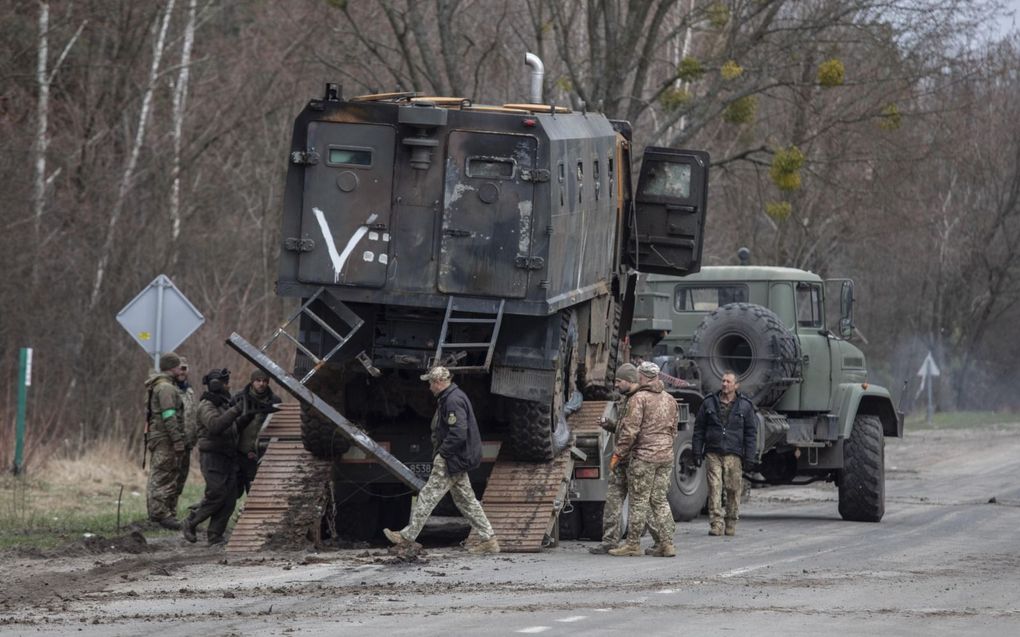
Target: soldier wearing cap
(257, 401)
(645, 442)
(456, 450)
(165, 441)
(616, 486)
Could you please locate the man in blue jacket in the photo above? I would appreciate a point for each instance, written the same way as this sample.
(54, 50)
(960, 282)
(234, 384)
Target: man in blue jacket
(725, 434)
(456, 449)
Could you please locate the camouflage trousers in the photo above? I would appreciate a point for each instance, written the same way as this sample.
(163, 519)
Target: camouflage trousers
(165, 475)
(459, 487)
(649, 483)
(182, 477)
(724, 473)
(612, 513)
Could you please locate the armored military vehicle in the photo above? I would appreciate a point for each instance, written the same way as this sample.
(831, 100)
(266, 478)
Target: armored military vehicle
(786, 334)
(500, 241)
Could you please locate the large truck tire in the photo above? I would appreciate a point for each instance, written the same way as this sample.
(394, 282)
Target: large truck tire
(319, 436)
(862, 479)
(754, 343)
(539, 430)
(688, 485)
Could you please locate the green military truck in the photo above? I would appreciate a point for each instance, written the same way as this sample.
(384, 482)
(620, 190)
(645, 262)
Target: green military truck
(786, 334)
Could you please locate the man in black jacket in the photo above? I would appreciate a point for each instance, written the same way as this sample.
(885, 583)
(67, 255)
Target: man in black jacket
(217, 447)
(725, 434)
(456, 449)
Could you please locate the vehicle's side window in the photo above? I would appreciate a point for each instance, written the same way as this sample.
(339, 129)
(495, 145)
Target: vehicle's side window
(809, 305)
(705, 298)
(562, 181)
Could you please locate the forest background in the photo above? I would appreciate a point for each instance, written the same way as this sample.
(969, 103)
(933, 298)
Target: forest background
(875, 139)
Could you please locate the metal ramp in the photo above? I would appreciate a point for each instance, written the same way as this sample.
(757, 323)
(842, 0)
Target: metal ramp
(469, 311)
(523, 499)
(290, 493)
(346, 428)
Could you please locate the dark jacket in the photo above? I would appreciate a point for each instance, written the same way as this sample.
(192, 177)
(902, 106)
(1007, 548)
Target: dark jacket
(738, 435)
(217, 432)
(455, 432)
(254, 410)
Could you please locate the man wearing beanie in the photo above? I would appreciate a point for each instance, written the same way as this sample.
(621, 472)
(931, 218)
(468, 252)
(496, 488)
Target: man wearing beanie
(645, 442)
(164, 440)
(616, 486)
(257, 402)
(217, 454)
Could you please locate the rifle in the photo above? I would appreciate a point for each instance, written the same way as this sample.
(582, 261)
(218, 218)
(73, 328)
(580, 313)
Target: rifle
(148, 419)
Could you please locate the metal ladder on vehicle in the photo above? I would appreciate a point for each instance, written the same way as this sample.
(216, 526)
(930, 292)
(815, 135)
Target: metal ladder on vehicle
(337, 307)
(486, 312)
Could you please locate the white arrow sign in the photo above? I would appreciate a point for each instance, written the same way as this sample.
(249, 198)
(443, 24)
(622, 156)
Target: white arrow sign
(928, 368)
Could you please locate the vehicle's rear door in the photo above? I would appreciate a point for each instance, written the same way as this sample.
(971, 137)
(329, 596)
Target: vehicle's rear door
(665, 229)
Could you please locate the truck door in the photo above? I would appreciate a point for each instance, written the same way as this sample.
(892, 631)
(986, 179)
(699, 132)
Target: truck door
(345, 214)
(664, 233)
(487, 212)
(816, 348)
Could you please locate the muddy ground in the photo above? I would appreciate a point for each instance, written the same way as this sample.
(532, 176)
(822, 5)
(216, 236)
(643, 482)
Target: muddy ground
(945, 560)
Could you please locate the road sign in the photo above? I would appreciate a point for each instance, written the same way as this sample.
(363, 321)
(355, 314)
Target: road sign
(160, 318)
(928, 372)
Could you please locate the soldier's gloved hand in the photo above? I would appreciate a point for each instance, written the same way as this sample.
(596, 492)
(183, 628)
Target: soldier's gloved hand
(614, 460)
(179, 446)
(251, 455)
(698, 459)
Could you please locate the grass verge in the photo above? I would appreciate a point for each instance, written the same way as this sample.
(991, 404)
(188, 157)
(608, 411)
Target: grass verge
(66, 498)
(961, 420)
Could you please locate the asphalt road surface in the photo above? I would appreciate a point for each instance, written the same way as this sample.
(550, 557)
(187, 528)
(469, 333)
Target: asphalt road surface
(944, 561)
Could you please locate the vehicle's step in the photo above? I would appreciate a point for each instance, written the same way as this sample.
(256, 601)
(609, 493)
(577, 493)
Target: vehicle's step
(287, 499)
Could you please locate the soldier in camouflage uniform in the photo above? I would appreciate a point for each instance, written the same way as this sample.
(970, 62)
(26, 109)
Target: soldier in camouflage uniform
(187, 393)
(645, 442)
(456, 449)
(165, 441)
(616, 485)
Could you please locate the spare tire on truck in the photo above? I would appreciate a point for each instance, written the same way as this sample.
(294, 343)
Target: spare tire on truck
(751, 341)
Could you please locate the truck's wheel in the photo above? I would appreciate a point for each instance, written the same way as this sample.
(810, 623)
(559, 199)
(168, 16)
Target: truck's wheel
(751, 341)
(537, 431)
(862, 479)
(320, 436)
(688, 485)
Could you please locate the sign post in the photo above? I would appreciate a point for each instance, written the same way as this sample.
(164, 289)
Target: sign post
(24, 382)
(160, 318)
(928, 372)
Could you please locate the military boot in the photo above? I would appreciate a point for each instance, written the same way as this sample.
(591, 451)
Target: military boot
(653, 549)
(627, 550)
(188, 530)
(395, 537)
(601, 548)
(169, 522)
(716, 528)
(663, 550)
(490, 545)
(731, 527)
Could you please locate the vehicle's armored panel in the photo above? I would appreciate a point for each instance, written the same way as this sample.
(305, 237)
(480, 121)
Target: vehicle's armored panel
(402, 202)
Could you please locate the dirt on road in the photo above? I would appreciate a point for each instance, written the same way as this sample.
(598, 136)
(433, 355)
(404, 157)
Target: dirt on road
(928, 559)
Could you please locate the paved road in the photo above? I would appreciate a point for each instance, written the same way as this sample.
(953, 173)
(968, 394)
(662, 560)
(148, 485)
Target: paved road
(944, 561)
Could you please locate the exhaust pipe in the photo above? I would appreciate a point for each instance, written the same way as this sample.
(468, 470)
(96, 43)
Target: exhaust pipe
(537, 73)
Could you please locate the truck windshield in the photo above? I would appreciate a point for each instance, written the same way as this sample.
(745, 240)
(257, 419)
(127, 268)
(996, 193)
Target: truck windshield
(707, 297)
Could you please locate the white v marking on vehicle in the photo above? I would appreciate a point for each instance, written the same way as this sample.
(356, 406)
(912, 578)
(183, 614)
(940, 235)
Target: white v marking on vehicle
(339, 259)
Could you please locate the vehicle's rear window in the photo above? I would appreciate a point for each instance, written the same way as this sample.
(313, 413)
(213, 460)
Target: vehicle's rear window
(350, 156)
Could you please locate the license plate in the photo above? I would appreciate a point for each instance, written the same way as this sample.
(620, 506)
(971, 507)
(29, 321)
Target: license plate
(420, 469)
